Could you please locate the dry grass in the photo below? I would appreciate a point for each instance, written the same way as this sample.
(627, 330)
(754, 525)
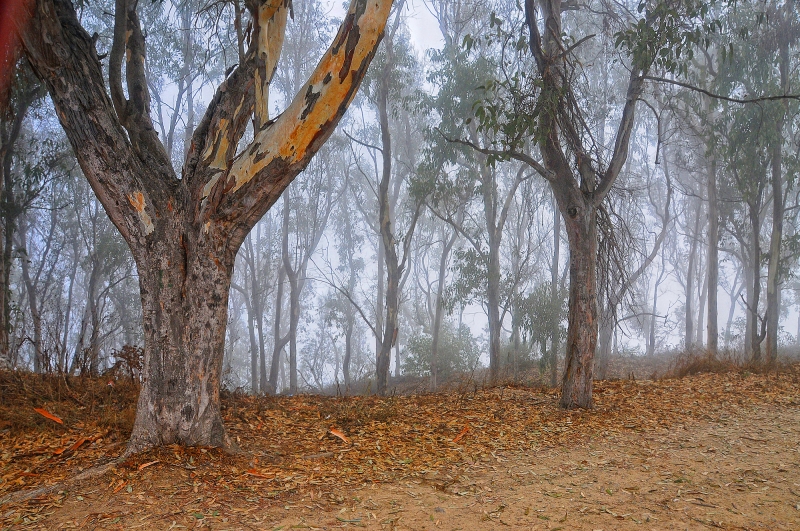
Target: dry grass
(76, 399)
(726, 361)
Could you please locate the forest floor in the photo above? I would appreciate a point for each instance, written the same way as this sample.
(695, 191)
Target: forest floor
(708, 451)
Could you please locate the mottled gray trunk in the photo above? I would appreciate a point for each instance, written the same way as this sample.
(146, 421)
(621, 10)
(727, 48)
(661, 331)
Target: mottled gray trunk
(701, 307)
(391, 295)
(754, 292)
(279, 341)
(438, 313)
(688, 332)
(184, 282)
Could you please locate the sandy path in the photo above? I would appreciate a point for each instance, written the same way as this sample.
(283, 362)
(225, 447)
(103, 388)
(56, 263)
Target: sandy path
(740, 472)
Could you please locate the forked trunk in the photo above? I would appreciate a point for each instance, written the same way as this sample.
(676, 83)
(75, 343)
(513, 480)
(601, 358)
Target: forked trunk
(184, 231)
(576, 387)
(184, 288)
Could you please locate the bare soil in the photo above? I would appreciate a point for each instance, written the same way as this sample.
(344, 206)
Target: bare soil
(703, 452)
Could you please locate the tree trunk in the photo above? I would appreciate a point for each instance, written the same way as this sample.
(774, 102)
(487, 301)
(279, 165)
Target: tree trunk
(688, 338)
(348, 354)
(279, 342)
(773, 313)
(754, 291)
(294, 298)
(350, 324)
(33, 304)
(63, 356)
(438, 314)
(185, 312)
(701, 307)
(493, 307)
(393, 273)
(294, 320)
(581, 223)
(555, 333)
(734, 298)
(712, 267)
(380, 295)
(184, 231)
(251, 331)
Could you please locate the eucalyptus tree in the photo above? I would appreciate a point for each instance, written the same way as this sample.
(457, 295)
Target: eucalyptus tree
(758, 156)
(184, 230)
(537, 112)
(486, 189)
(387, 165)
(782, 36)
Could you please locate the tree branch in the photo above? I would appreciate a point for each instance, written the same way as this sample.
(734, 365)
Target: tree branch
(516, 155)
(255, 179)
(710, 94)
(622, 140)
(64, 58)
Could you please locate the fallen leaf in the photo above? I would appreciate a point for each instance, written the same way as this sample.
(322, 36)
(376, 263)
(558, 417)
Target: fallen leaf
(43, 412)
(145, 465)
(78, 444)
(256, 473)
(340, 434)
(461, 435)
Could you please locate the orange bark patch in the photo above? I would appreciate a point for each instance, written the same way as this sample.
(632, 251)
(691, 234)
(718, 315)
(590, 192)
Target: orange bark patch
(136, 199)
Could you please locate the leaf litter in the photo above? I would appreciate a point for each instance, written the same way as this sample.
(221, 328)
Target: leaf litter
(307, 457)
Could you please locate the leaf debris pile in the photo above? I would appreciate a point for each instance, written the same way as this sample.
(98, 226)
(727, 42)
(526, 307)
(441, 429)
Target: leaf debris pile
(317, 447)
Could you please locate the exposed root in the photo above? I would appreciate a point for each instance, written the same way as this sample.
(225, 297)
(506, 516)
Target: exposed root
(25, 495)
(138, 445)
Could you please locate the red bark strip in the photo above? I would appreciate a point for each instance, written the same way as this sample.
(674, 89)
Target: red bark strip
(14, 16)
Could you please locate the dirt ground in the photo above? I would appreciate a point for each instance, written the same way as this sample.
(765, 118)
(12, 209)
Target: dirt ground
(703, 452)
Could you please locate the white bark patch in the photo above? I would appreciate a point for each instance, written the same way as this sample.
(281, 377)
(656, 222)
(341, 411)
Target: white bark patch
(209, 186)
(218, 148)
(136, 199)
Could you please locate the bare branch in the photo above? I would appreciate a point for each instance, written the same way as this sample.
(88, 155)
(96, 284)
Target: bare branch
(758, 99)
